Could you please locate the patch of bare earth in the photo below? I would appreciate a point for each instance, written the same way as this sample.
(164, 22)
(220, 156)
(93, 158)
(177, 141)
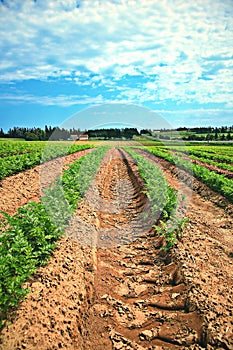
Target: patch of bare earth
(109, 286)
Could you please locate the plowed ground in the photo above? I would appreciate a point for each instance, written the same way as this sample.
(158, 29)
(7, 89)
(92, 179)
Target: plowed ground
(108, 284)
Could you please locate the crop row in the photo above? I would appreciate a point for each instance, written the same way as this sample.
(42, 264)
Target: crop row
(219, 150)
(208, 156)
(163, 197)
(218, 183)
(221, 162)
(163, 201)
(28, 237)
(221, 154)
(12, 148)
(17, 163)
(220, 165)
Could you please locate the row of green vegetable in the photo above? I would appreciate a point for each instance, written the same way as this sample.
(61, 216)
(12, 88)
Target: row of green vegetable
(14, 164)
(218, 153)
(28, 237)
(220, 165)
(12, 148)
(218, 183)
(163, 200)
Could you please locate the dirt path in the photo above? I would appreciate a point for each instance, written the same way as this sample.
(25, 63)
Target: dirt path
(108, 286)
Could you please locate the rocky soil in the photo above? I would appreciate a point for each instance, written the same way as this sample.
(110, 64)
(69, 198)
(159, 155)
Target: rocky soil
(109, 286)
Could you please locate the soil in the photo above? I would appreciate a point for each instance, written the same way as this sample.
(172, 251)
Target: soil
(108, 284)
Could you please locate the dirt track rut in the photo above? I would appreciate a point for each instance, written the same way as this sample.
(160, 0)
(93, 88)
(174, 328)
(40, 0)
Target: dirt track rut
(139, 300)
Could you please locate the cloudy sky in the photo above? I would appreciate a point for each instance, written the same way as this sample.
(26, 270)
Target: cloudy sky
(59, 57)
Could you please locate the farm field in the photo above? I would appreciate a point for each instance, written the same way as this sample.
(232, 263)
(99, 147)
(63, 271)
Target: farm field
(210, 164)
(18, 156)
(130, 272)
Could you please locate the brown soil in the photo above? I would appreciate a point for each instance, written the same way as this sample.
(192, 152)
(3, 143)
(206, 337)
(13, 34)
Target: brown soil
(109, 286)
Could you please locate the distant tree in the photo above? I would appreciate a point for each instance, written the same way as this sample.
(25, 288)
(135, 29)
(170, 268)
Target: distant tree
(30, 136)
(146, 132)
(2, 134)
(112, 133)
(59, 134)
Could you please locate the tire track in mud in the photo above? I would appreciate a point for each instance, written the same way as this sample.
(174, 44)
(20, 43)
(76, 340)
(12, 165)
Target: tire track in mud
(138, 295)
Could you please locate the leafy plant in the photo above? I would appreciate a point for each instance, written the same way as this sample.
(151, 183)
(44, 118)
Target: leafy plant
(28, 237)
(21, 156)
(216, 182)
(163, 197)
(171, 231)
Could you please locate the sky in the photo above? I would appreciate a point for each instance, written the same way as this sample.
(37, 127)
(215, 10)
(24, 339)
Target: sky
(65, 62)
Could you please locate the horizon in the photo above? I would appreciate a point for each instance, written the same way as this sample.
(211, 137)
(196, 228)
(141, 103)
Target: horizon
(110, 127)
(60, 58)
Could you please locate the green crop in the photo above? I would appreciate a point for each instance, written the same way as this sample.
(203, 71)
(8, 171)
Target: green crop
(163, 201)
(217, 182)
(171, 231)
(34, 154)
(163, 197)
(28, 237)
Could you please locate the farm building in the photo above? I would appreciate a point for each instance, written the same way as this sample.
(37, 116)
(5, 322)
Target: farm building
(73, 137)
(83, 137)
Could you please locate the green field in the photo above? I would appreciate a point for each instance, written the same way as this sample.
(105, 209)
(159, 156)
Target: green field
(18, 156)
(217, 182)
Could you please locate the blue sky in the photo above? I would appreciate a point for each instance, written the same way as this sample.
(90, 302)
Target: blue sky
(61, 57)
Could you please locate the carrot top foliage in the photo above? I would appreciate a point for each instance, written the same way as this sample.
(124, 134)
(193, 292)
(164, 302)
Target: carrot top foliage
(19, 156)
(28, 237)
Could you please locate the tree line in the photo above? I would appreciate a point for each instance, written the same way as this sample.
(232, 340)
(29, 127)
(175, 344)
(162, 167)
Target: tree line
(208, 129)
(38, 134)
(223, 133)
(56, 133)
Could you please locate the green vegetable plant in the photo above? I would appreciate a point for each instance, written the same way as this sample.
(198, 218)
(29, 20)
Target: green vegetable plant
(163, 200)
(32, 154)
(171, 231)
(28, 237)
(217, 182)
(162, 197)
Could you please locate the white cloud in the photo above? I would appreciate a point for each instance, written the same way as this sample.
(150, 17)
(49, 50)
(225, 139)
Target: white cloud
(59, 100)
(172, 40)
